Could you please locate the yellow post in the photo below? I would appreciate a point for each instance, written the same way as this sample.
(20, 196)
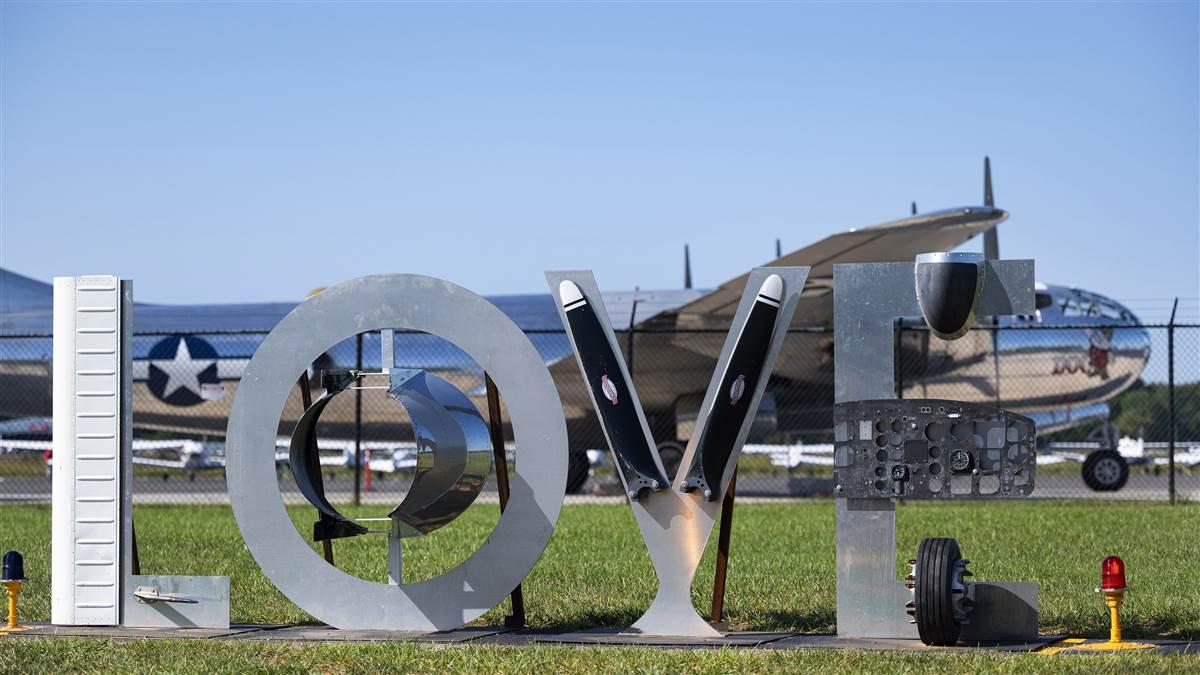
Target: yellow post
(12, 589)
(1113, 599)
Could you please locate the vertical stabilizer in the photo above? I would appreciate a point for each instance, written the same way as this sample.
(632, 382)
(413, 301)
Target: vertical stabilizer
(991, 238)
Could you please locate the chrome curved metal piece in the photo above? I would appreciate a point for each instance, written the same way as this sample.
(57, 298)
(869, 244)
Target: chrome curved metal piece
(305, 462)
(454, 454)
(454, 451)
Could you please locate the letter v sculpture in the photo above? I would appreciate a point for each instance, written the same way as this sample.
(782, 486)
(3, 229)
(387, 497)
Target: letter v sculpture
(676, 514)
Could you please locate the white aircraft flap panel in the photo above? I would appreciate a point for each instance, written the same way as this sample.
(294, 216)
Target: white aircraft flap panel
(85, 542)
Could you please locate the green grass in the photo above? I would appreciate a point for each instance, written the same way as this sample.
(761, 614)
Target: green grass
(596, 572)
(24, 655)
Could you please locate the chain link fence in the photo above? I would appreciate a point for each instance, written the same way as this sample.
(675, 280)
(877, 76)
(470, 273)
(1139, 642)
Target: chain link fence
(1118, 409)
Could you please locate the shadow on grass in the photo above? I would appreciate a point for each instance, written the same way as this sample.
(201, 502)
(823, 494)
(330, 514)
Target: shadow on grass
(823, 620)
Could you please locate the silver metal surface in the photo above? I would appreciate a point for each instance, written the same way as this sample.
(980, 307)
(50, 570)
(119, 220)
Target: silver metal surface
(868, 298)
(209, 607)
(387, 350)
(674, 524)
(863, 329)
(409, 302)
(395, 553)
(962, 591)
(211, 594)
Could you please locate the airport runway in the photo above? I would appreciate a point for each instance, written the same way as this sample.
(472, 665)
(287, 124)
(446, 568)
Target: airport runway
(1065, 486)
(210, 488)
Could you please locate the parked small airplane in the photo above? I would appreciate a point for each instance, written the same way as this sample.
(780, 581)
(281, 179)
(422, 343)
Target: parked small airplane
(190, 357)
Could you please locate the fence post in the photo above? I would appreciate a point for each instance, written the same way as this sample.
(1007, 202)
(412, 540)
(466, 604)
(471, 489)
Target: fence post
(1171, 403)
(632, 323)
(358, 364)
(897, 357)
(996, 356)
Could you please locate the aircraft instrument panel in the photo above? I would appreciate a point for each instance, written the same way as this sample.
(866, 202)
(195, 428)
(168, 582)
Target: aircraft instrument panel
(932, 449)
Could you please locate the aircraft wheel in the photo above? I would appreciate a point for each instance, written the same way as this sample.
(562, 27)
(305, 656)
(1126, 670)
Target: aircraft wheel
(1105, 471)
(941, 598)
(578, 470)
(671, 454)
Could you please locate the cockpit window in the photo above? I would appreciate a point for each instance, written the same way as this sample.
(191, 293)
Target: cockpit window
(1043, 300)
(1113, 311)
(1085, 305)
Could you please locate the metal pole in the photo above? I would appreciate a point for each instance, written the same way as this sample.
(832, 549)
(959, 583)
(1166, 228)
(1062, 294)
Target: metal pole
(1171, 402)
(718, 596)
(496, 429)
(358, 364)
(996, 356)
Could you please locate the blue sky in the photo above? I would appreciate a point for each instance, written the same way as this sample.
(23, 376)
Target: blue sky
(240, 152)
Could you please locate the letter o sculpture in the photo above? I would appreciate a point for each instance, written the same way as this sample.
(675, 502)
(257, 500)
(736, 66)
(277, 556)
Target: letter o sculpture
(406, 302)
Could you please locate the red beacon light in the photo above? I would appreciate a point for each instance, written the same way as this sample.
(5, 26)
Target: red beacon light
(1112, 574)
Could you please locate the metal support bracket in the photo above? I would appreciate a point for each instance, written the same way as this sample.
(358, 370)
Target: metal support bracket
(150, 594)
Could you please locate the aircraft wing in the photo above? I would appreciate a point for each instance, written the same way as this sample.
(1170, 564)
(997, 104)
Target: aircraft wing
(896, 241)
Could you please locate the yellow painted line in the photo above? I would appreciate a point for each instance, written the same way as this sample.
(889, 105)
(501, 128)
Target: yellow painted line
(1054, 648)
(1116, 646)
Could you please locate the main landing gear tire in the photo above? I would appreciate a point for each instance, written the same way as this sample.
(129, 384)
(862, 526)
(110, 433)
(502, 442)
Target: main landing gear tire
(1105, 471)
(941, 600)
(578, 470)
(671, 454)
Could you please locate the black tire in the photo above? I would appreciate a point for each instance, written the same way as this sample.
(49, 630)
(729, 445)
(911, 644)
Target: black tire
(578, 471)
(1105, 471)
(671, 454)
(932, 594)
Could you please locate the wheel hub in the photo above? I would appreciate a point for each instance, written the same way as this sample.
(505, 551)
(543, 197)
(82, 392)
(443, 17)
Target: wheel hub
(1108, 471)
